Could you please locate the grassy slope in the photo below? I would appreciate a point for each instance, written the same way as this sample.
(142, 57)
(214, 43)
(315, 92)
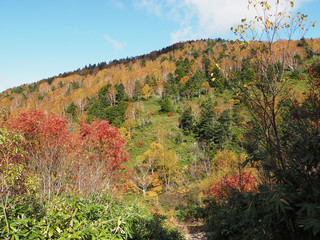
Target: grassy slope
(163, 129)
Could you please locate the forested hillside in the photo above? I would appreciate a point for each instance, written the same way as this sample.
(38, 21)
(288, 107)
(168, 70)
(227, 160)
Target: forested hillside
(224, 133)
(139, 78)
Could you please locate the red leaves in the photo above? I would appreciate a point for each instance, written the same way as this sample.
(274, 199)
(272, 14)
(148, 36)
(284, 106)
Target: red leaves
(81, 159)
(243, 182)
(170, 114)
(29, 123)
(36, 124)
(106, 143)
(140, 144)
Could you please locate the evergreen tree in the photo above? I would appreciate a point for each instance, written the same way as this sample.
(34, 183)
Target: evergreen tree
(186, 121)
(206, 126)
(115, 114)
(166, 106)
(137, 90)
(72, 110)
(121, 94)
(102, 96)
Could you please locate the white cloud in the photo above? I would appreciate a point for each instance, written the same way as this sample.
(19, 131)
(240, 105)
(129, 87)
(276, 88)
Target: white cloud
(216, 16)
(152, 6)
(181, 34)
(117, 3)
(115, 44)
(202, 18)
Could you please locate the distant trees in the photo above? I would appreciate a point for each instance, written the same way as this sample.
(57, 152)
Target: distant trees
(215, 128)
(177, 73)
(110, 104)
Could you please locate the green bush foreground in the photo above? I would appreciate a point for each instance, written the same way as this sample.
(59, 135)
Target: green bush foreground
(69, 217)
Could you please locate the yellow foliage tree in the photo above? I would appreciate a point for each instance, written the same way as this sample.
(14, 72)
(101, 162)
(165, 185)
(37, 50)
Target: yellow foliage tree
(168, 168)
(155, 168)
(144, 169)
(146, 91)
(265, 97)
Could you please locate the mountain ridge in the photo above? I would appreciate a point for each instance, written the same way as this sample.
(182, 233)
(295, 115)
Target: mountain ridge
(157, 65)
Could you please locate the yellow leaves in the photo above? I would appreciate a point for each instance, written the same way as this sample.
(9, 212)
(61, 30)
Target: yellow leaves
(269, 24)
(146, 91)
(205, 86)
(152, 197)
(269, 21)
(213, 79)
(184, 79)
(156, 185)
(226, 163)
(157, 167)
(284, 201)
(130, 124)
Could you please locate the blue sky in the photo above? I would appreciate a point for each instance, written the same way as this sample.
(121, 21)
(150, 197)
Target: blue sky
(42, 38)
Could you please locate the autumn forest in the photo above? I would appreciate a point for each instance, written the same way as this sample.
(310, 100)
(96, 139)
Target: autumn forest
(214, 136)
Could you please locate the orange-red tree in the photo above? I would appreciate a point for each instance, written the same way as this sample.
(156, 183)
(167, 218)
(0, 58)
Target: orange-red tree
(84, 161)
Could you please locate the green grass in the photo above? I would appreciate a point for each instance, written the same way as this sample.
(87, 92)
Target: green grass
(172, 140)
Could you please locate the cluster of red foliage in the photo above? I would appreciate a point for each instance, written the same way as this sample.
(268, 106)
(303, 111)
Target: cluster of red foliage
(83, 161)
(39, 127)
(243, 182)
(140, 144)
(106, 142)
(170, 114)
